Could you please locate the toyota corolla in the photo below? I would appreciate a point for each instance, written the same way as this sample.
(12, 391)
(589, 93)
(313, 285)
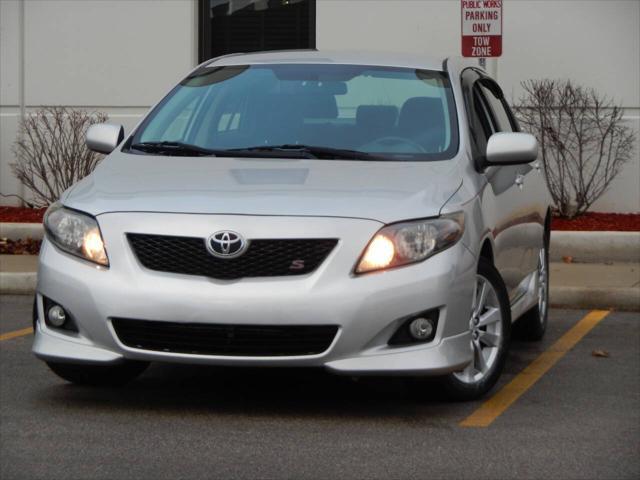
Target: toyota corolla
(368, 214)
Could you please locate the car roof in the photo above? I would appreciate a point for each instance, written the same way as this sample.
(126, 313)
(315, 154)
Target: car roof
(387, 59)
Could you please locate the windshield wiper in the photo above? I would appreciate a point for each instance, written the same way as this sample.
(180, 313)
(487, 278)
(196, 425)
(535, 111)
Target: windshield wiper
(174, 149)
(312, 151)
(285, 150)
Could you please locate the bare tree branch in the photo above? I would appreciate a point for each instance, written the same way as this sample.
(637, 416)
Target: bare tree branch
(50, 153)
(583, 141)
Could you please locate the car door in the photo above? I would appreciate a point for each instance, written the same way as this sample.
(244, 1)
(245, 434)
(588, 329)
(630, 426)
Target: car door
(509, 204)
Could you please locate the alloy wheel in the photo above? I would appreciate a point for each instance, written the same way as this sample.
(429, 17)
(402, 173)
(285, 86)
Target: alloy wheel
(542, 285)
(486, 333)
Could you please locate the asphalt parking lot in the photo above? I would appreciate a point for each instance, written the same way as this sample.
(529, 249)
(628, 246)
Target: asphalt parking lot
(580, 419)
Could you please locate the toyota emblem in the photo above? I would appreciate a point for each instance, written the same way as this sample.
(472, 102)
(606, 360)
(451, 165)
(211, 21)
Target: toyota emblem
(226, 244)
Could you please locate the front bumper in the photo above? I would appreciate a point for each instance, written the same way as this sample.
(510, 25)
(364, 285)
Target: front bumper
(367, 309)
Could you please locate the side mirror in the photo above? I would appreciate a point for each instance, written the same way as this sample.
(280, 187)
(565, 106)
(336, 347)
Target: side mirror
(104, 137)
(511, 148)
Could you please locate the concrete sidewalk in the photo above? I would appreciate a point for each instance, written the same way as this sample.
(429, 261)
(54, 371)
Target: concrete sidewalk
(575, 285)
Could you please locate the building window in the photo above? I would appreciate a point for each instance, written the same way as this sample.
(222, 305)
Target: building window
(232, 26)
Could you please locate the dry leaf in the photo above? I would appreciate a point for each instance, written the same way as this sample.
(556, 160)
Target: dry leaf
(567, 259)
(19, 247)
(600, 353)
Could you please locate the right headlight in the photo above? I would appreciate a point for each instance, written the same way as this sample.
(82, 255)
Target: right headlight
(410, 242)
(76, 233)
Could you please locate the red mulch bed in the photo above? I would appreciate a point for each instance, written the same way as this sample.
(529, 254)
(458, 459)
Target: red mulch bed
(617, 222)
(21, 215)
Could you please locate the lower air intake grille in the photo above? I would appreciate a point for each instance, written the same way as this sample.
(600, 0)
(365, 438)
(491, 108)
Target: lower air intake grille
(263, 258)
(220, 339)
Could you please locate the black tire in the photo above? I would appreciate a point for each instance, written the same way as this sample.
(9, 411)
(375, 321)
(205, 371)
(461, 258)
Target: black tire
(532, 325)
(34, 313)
(98, 375)
(456, 389)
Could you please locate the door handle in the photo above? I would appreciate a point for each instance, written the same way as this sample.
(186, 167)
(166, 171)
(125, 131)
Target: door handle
(519, 181)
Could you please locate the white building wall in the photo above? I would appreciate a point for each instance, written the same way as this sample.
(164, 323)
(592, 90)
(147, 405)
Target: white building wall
(596, 43)
(120, 57)
(9, 91)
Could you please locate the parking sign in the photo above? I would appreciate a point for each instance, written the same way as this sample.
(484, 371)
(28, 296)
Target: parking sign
(481, 28)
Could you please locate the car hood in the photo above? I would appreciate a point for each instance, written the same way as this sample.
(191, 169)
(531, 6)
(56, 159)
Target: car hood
(382, 191)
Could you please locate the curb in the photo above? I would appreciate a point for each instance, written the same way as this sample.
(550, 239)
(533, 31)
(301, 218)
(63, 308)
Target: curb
(596, 247)
(601, 298)
(18, 283)
(24, 283)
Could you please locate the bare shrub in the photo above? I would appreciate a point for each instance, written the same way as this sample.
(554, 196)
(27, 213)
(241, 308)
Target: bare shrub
(51, 154)
(583, 142)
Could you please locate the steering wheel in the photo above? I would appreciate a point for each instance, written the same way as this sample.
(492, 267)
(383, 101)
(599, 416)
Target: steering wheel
(387, 141)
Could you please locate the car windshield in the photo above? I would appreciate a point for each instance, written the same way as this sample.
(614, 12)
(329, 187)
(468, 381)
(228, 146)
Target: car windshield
(314, 110)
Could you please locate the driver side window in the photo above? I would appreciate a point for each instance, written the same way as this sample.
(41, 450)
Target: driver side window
(481, 125)
(488, 112)
(501, 119)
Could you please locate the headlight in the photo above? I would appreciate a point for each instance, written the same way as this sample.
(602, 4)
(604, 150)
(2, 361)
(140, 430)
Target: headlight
(76, 233)
(410, 242)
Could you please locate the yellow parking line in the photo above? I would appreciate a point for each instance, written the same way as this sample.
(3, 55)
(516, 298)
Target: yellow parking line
(16, 333)
(498, 403)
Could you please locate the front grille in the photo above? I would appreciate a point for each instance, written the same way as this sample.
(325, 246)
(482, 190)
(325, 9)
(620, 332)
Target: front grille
(263, 258)
(229, 340)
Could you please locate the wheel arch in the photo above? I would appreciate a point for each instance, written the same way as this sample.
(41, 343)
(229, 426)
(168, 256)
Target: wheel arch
(486, 251)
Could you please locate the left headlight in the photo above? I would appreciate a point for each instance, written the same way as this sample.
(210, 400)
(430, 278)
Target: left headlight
(76, 233)
(410, 242)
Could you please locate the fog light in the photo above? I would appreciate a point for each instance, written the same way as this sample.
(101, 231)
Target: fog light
(421, 328)
(57, 316)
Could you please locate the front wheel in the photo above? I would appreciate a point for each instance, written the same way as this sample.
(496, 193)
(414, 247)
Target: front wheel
(490, 328)
(98, 375)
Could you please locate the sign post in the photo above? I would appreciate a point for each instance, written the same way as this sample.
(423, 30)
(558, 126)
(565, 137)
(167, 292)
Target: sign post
(481, 29)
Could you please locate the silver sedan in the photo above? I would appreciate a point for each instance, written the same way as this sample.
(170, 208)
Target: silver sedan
(369, 214)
